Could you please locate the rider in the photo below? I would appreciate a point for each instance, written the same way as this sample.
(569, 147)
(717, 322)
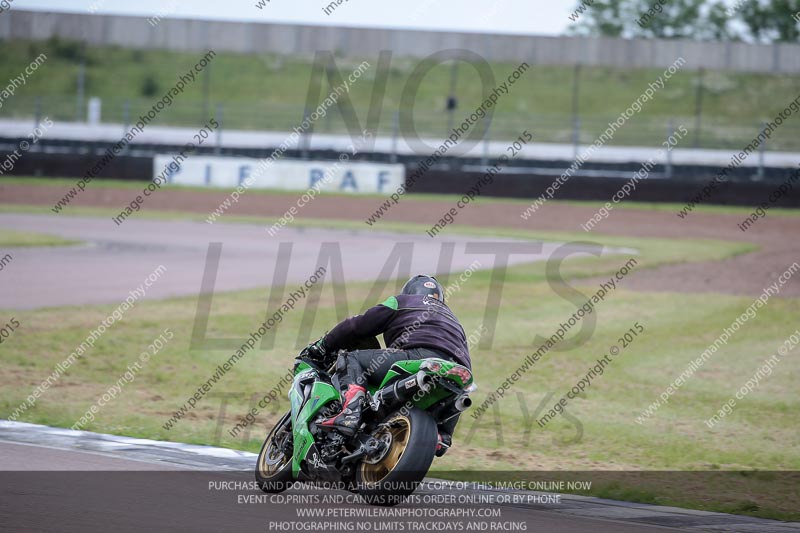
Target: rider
(416, 324)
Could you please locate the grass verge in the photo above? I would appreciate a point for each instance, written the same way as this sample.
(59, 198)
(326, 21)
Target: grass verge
(19, 239)
(131, 80)
(598, 433)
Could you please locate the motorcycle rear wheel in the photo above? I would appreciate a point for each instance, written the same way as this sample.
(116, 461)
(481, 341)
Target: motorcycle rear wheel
(390, 478)
(273, 466)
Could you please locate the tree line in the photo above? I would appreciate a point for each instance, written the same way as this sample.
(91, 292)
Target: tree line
(762, 21)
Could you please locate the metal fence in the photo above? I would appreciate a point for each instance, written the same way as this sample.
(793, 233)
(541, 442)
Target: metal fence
(728, 133)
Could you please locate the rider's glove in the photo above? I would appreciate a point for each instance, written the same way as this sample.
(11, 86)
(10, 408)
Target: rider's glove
(316, 350)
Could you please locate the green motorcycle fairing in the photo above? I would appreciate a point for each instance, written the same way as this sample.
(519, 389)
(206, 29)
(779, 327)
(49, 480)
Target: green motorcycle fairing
(303, 410)
(460, 375)
(322, 393)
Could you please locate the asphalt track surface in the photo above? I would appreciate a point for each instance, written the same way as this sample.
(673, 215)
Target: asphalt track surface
(54, 479)
(115, 260)
(101, 498)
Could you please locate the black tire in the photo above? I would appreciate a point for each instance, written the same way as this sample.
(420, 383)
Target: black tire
(273, 467)
(398, 473)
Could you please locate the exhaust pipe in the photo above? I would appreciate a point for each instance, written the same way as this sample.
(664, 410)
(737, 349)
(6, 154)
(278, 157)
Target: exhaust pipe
(452, 410)
(403, 390)
(425, 381)
(462, 403)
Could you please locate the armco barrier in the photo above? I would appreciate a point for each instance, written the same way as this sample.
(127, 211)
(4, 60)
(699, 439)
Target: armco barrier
(122, 167)
(674, 190)
(687, 181)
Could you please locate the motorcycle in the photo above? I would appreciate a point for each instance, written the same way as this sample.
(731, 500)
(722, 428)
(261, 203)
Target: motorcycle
(391, 451)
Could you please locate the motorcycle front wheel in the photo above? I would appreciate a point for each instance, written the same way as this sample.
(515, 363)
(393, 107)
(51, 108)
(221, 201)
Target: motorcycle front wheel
(273, 466)
(411, 444)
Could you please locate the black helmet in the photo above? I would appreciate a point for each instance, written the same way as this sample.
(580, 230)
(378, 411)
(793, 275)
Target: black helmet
(424, 285)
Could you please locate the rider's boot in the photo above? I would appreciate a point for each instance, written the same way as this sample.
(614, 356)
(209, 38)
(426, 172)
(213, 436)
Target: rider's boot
(443, 443)
(349, 419)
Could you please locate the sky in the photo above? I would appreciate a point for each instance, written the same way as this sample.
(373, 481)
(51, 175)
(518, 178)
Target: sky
(530, 17)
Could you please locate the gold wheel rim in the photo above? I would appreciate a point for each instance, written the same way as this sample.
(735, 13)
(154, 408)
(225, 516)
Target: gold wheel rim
(272, 459)
(399, 428)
